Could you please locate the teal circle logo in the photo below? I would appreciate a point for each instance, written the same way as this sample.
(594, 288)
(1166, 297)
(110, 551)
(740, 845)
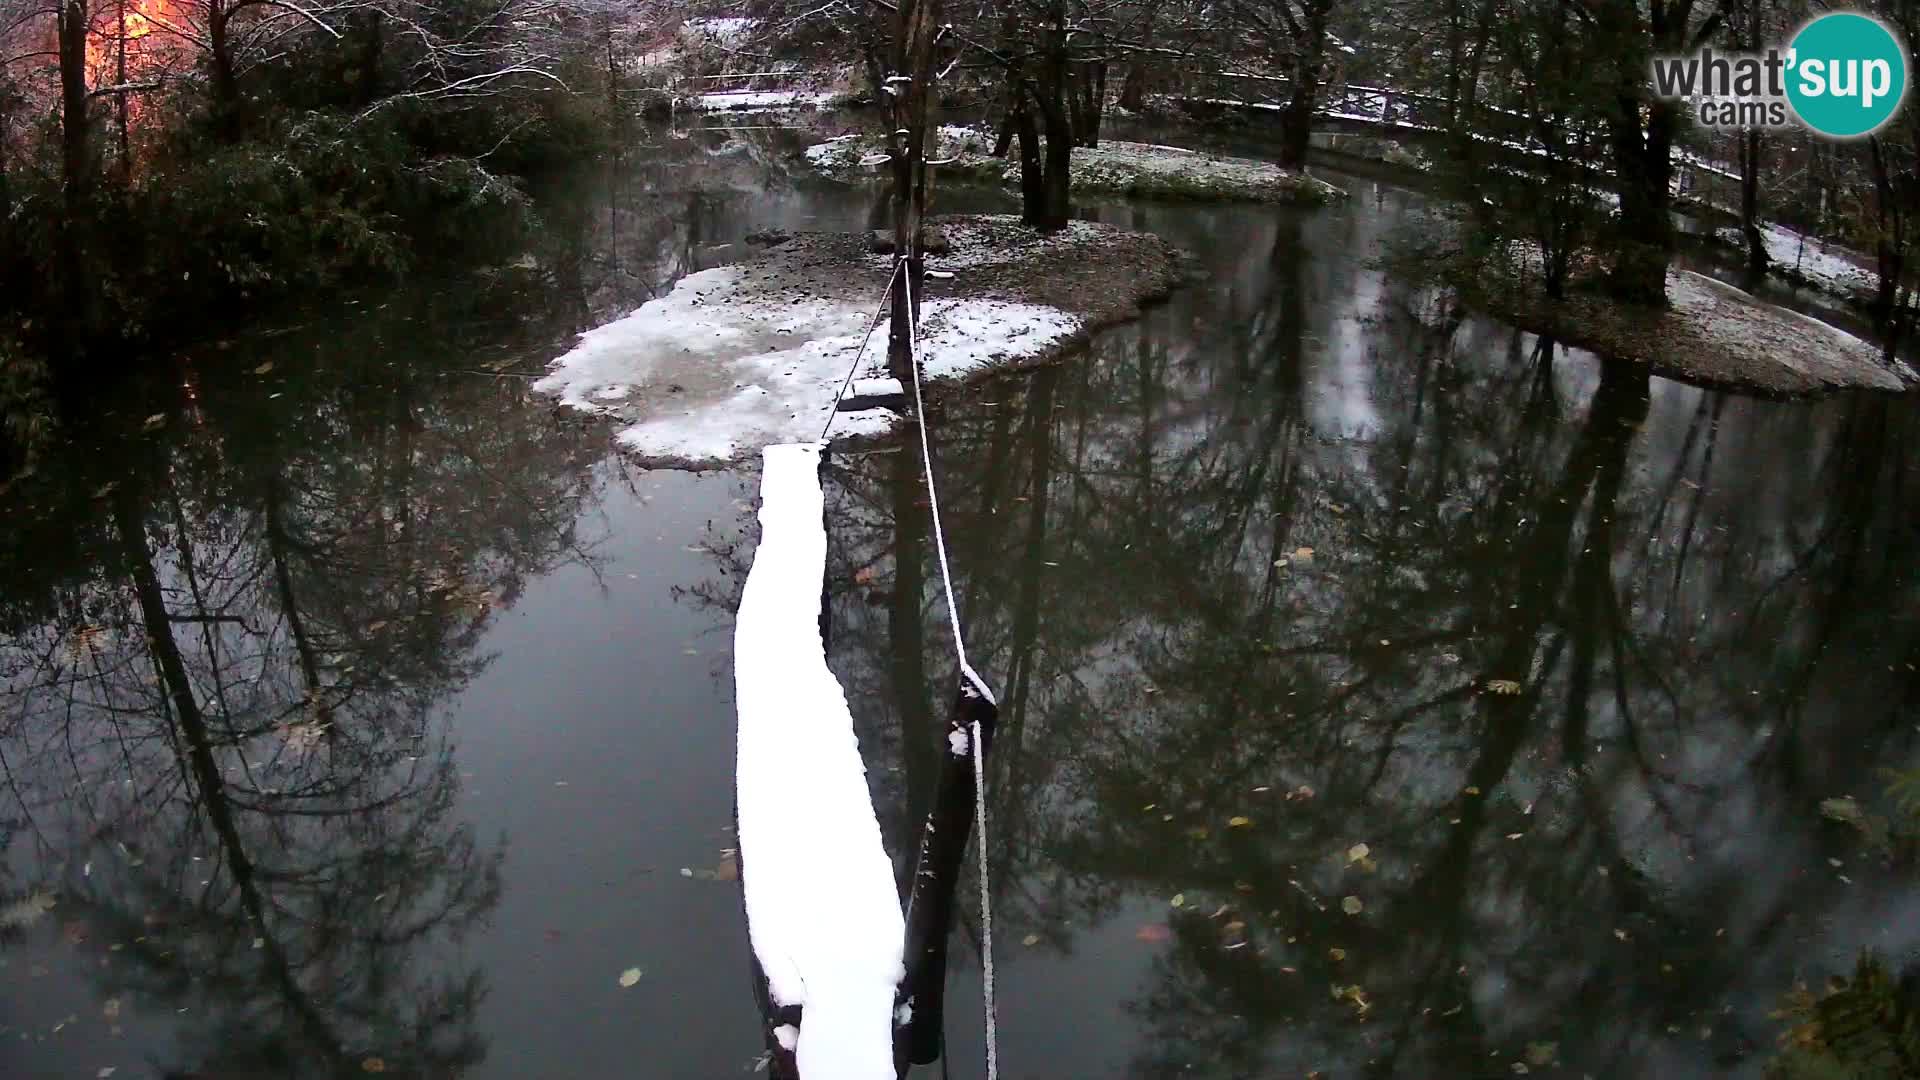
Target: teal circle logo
(1847, 75)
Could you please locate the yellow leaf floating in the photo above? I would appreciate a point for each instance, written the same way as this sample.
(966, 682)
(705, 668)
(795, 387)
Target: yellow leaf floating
(1352, 905)
(1358, 852)
(1239, 822)
(1179, 900)
(1502, 686)
(629, 977)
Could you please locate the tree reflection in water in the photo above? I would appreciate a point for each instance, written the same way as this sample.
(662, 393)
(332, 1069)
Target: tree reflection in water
(1264, 555)
(223, 755)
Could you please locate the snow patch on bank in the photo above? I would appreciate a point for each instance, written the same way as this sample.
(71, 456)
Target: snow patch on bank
(822, 912)
(766, 100)
(728, 363)
(1811, 259)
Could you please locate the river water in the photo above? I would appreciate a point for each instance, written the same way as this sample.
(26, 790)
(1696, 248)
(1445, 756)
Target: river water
(364, 714)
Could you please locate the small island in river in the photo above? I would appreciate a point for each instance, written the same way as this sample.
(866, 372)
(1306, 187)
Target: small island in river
(757, 352)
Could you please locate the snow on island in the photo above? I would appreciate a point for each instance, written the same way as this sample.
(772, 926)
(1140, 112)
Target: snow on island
(822, 911)
(753, 353)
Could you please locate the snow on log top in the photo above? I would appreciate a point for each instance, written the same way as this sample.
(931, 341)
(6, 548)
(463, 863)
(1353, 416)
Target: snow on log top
(822, 910)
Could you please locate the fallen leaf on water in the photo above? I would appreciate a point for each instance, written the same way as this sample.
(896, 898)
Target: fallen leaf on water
(629, 977)
(1336, 954)
(1471, 790)
(105, 1071)
(1844, 810)
(156, 420)
(263, 368)
(1239, 822)
(1515, 835)
(1030, 939)
(1502, 686)
(373, 1065)
(24, 913)
(1303, 556)
(1153, 933)
(1179, 899)
(1358, 852)
(1542, 1053)
(1352, 905)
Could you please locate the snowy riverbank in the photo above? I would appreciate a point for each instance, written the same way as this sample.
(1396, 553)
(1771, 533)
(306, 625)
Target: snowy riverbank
(753, 353)
(1120, 169)
(1712, 334)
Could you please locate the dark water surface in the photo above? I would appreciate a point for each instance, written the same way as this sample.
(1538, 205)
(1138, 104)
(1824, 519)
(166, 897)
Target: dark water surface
(361, 711)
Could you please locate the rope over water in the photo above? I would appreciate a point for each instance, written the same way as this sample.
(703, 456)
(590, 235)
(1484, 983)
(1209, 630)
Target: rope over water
(973, 680)
(974, 683)
(854, 368)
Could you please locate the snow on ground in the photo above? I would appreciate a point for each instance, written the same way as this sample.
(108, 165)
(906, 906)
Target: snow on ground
(728, 364)
(1805, 353)
(1822, 266)
(1142, 170)
(725, 30)
(766, 100)
(822, 912)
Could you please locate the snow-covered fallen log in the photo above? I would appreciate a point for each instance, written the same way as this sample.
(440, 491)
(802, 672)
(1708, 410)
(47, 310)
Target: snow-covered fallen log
(822, 910)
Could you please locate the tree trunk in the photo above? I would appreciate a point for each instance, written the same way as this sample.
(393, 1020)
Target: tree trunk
(1750, 202)
(124, 164)
(76, 140)
(1643, 173)
(75, 315)
(1098, 107)
(226, 87)
(1133, 88)
(1056, 199)
(373, 46)
(1033, 187)
(913, 40)
(1890, 241)
(1296, 120)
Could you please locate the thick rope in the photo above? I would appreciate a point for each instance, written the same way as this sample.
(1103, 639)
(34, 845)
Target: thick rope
(853, 369)
(966, 671)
